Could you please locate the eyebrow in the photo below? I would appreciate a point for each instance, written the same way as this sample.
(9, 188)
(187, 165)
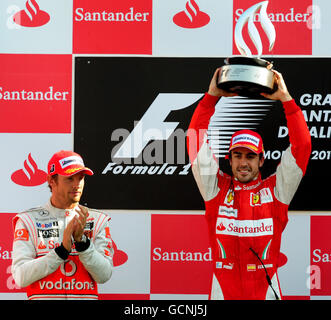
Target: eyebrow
(249, 154)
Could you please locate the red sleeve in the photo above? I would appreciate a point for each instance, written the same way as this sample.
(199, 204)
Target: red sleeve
(299, 135)
(199, 124)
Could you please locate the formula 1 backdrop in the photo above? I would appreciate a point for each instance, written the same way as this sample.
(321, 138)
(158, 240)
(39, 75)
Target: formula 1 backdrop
(132, 117)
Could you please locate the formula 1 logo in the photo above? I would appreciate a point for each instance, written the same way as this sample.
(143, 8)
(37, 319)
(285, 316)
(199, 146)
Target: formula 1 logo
(31, 16)
(142, 146)
(152, 125)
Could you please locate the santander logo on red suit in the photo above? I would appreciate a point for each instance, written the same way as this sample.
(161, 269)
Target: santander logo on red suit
(31, 16)
(244, 228)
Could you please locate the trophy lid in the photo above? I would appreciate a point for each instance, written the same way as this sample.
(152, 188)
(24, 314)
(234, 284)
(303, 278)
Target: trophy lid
(247, 61)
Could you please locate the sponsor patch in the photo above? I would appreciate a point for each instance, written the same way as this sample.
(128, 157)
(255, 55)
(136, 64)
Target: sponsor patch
(228, 211)
(263, 196)
(21, 234)
(72, 170)
(269, 265)
(251, 267)
(228, 266)
(229, 198)
(69, 161)
(107, 233)
(48, 233)
(42, 246)
(246, 138)
(221, 265)
(244, 228)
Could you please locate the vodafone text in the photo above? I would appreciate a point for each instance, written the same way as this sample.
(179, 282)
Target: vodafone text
(66, 285)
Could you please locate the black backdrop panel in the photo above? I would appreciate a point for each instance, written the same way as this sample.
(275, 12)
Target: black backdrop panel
(113, 94)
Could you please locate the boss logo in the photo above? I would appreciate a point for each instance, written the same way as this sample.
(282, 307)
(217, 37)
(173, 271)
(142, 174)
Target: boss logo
(50, 233)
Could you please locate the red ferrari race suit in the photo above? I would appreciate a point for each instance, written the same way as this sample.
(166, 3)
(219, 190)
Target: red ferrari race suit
(37, 265)
(246, 220)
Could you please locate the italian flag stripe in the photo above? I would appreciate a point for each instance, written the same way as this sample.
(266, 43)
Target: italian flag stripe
(223, 255)
(265, 251)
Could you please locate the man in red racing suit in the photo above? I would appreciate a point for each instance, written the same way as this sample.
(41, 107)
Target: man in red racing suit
(246, 214)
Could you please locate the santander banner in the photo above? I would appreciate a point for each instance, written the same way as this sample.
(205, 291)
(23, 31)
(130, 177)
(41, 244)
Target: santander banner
(292, 21)
(180, 253)
(109, 26)
(35, 93)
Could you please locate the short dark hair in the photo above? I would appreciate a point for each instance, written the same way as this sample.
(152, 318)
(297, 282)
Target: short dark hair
(54, 177)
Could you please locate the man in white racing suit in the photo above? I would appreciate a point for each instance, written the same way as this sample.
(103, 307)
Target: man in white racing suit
(62, 250)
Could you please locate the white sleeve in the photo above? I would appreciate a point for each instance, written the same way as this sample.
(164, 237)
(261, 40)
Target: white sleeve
(26, 267)
(205, 169)
(288, 177)
(98, 257)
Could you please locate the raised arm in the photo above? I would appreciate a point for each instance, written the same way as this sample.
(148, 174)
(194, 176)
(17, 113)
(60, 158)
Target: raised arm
(295, 159)
(204, 165)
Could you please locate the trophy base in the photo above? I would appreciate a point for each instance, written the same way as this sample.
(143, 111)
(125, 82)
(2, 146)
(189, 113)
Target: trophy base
(247, 77)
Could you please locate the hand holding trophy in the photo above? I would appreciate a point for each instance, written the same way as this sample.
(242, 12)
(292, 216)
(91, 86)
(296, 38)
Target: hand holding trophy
(245, 75)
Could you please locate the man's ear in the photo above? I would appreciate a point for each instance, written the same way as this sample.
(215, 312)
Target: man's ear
(261, 162)
(51, 180)
(229, 157)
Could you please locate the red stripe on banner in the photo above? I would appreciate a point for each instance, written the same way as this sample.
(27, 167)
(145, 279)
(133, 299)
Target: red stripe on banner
(124, 296)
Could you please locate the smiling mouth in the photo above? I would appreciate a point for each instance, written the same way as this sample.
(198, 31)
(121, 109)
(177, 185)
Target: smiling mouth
(246, 171)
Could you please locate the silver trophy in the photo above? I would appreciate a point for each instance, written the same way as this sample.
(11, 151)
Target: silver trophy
(245, 75)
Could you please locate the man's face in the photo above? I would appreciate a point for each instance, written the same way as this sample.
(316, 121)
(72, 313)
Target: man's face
(245, 164)
(67, 191)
